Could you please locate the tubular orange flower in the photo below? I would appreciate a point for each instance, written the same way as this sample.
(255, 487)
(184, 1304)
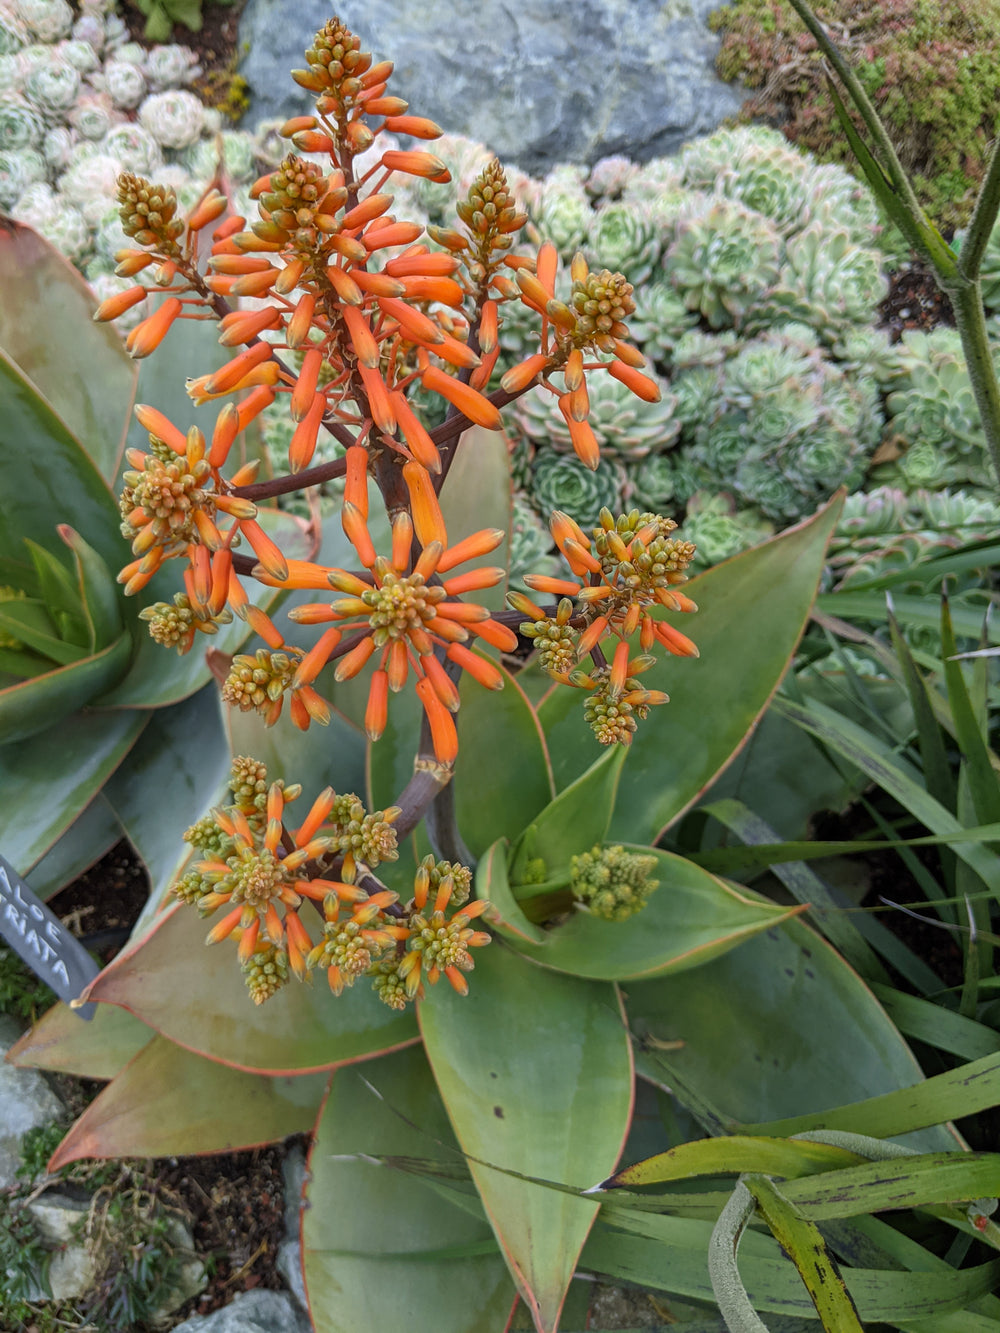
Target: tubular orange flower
(470, 403)
(415, 325)
(641, 385)
(304, 393)
(229, 375)
(378, 398)
(419, 127)
(253, 404)
(211, 207)
(390, 235)
(521, 375)
(301, 321)
(412, 163)
(266, 551)
(304, 439)
(243, 327)
(428, 520)
(362, 338)
(420, 444)
(444, 737)
(420, 261)
(118, 304)
(153, 421)
(147, 336)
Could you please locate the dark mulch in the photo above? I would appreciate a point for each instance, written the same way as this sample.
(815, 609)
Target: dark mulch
(915, 301)
(215, 43)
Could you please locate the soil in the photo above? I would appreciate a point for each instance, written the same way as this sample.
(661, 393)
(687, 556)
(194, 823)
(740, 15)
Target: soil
(215, 43)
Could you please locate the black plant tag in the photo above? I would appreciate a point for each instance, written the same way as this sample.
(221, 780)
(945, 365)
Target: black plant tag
(42, 941)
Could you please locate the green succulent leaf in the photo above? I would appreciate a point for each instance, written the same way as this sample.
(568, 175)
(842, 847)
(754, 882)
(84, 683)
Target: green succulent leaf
(498, 727)
(493, 883)
(99, 592)
(691, 918)
(60, 592)
(196, 997)
(94, 832)
(167, 783)
(574, 822)
(168, 1102)
(98, 1049)
(550, 1100)
(80, 368)
(681, 749)
(28, 621)
(30, 708)
(394, 1250)
(69, 762)
(46, 477)
(766, 1051)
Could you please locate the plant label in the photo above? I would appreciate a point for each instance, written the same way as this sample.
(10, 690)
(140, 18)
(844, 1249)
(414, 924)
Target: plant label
(40, 939)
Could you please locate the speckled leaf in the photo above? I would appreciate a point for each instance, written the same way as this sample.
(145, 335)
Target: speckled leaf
(169, 1103)
(535, 1072)
(752, 610)
(359, 1271)
(807, 1034)
(47, 328)
(195, 996)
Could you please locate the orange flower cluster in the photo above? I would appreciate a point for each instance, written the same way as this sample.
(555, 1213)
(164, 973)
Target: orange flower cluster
(346, 309)
(630, 567)
(404, 620)
(593, 321)
(265, 874)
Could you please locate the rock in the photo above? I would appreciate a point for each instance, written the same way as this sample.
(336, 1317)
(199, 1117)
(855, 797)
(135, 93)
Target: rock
(541, 82)
(74, 1266)
(26, 1102)
(191, 1276)
(251, 1312)
(72, 1269)
(289, 1257)
(288, 1262)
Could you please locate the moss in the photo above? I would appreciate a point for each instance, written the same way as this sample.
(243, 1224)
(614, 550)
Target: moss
(932, 70)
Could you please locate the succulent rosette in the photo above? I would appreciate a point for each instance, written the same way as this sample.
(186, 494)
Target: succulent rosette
(720, 529)
(624, 425)
(531, 549)
(827, 281)
(724, 260)
(563, 212)
(623, 238)
(652, 482)
(660, 318)
(563, 482)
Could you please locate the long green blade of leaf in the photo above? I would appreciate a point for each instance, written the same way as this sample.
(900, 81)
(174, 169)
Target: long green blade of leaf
(802, 1242)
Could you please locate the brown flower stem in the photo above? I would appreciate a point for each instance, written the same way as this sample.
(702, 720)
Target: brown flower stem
(429, 778)
(295, 481)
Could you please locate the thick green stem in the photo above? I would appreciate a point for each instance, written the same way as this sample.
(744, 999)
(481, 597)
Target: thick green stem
(967, 303)
(984, 215)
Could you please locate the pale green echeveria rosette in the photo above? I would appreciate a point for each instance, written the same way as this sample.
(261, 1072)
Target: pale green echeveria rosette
(826, 281)
(652, 484)
(561, 481)
(562, 210)
(724, 259)
(720, 529)
(934, 424)
(625, 426)
(660, 318)
(624, 238)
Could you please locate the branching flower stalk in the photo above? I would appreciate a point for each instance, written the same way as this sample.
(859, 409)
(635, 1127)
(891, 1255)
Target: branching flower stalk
(331, 302)
(957, 273)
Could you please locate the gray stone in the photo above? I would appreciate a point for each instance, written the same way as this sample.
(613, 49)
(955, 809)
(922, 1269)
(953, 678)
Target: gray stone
(289, 1264)
(251, 1312)
(26, 1102)
(289, 1257)
(539, 82)
(74, 1265)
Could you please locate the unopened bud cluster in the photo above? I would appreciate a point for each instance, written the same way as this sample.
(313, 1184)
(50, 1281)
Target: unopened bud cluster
(611, 882)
